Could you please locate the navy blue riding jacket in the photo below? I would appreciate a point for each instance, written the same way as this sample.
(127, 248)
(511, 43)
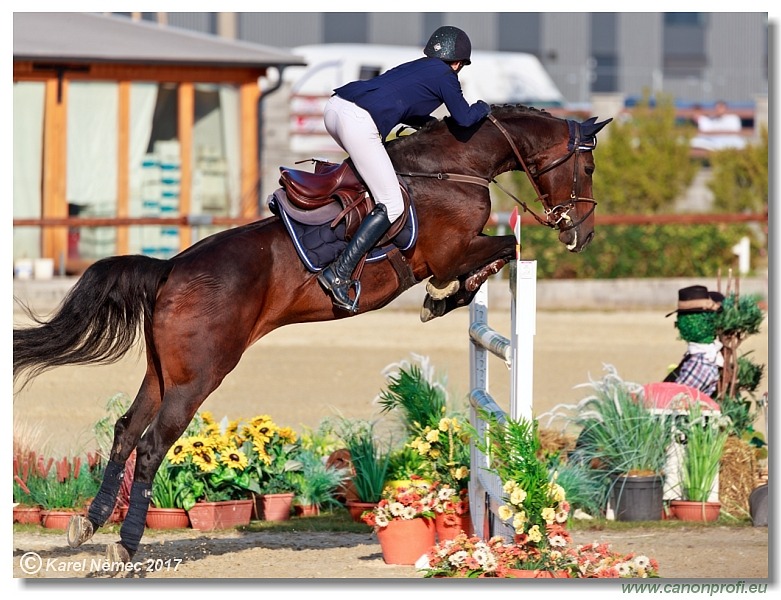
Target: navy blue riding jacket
(412, 91)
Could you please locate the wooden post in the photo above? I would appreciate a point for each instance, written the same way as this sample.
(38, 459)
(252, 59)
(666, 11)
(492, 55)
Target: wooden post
(54, 240)
(186, 114)
(123, 164)
(249, 95)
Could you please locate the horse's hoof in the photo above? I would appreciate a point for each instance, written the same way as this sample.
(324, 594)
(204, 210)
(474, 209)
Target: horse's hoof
(117, 558)
(431, 309)
(79, 530)
(439, 290)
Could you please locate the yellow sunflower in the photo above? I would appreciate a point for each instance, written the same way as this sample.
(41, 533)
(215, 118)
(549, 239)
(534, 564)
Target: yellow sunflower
(287, 434)
(199, 443)
(234, 458)
(178, 452)
(260, 421)
(205, 460)
(207, 417)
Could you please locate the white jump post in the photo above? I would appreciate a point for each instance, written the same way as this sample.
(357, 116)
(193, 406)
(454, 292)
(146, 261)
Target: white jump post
(485, 489)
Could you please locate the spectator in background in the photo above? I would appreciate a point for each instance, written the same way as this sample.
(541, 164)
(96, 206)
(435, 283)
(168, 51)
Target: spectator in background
(720, 122)
(719, 130)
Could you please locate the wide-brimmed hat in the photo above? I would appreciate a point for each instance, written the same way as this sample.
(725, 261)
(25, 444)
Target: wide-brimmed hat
(697, 299)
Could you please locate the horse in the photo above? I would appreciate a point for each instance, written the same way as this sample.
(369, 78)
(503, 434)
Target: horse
(200, 310)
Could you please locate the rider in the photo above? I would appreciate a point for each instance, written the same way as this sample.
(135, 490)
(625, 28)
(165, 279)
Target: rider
(361, 114)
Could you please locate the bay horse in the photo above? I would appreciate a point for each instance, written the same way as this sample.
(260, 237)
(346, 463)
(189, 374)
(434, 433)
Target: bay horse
(200, 310)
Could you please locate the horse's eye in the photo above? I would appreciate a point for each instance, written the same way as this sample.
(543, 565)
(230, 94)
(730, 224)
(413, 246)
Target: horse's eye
(590, 170)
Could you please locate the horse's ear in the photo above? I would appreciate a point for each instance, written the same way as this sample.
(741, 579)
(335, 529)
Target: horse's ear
(591, 128)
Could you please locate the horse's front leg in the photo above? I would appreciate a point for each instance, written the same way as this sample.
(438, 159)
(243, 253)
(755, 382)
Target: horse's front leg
(486, 255)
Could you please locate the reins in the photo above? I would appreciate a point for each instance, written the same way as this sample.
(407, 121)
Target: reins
(559, 212)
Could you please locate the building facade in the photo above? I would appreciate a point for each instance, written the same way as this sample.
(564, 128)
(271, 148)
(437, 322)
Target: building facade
(697, 58)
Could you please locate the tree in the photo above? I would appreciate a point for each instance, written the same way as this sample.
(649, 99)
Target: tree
(644, 164)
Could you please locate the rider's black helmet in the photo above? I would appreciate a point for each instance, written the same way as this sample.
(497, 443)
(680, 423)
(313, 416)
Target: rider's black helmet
(450, 44)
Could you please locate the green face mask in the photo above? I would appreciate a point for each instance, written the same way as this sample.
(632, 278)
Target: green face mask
(697, 327)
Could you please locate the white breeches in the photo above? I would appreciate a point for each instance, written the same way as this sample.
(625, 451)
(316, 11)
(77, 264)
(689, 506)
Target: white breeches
(354, 130)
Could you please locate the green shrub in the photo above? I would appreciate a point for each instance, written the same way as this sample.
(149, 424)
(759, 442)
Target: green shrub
(740, 178)
(636, 251)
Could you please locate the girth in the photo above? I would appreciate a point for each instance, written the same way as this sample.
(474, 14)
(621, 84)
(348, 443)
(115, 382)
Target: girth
(337, 184)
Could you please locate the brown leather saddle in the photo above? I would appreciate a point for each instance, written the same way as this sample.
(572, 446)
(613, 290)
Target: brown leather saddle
(336, 192)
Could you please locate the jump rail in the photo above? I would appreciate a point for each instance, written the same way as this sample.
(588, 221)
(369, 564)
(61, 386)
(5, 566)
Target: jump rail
(485, 488)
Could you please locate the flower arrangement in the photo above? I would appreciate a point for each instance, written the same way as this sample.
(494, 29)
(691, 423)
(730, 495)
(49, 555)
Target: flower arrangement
(468, 556)
(597, 560)
(535, 505)
(416, 501)
(210, 463)
(272, 453)
(464, 557)
(451, 501)
(445, 450)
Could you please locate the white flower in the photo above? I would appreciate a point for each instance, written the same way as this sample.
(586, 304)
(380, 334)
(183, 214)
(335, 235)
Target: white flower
(396, 509)
(509, 486)
(624, 570)
(408, 513)
(458, 558)
(446, 493)
(557, 541)
(642, 562)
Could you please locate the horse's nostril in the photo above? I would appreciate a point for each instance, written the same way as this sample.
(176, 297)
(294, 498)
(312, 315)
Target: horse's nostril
(587, 241)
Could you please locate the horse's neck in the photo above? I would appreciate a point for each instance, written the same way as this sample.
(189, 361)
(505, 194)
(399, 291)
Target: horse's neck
(480, 154)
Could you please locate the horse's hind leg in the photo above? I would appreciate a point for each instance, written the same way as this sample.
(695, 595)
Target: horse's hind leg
(178, 408)
(127, 431)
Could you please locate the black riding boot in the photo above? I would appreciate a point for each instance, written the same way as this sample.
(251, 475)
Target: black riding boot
(336, 277)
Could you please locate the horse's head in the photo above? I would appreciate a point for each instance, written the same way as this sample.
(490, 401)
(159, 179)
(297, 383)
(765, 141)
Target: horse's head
(557, 156)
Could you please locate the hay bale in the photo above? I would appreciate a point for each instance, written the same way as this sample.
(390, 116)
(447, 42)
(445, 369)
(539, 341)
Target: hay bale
(552, 442)
(737, 477)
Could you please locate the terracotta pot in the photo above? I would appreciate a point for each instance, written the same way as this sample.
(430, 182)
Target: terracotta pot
(687, 510)
(57, 519)
(404, 541)
(167, 518)
(207, 516)
(274, 507)
(306, 510)
(449, 526)
(357, 508)
(27, 514)
(532, 574)
(536, 574)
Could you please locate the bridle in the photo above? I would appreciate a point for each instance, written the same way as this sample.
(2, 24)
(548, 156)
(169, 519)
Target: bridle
(557, 216)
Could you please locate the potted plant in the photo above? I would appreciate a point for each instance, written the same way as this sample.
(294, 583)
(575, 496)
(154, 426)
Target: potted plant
(444, 449)
(463, 556)
(272, 459)
(534, 506)
(211, 465)
(30, 472)
(627, 442)
(316, 484)
(64, 491)
(404, 522)
(171, 489)
(705, 436)
(370, 465)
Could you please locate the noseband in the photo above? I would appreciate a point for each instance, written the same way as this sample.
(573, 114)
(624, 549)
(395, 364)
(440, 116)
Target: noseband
(558, 212)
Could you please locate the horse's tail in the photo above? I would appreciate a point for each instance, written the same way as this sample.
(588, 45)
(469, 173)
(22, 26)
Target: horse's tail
(99, 319)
